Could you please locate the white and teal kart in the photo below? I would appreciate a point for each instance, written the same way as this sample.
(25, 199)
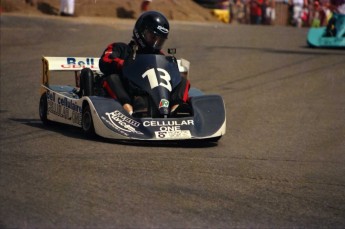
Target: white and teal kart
(317, 36)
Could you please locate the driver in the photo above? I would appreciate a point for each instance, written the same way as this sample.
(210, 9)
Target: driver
(149, 34)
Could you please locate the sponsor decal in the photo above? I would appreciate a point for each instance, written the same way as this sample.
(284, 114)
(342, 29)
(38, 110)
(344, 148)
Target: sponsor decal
(72, 62)
(162, 29)
(161, 123)
(170, 129)
(121, 122)
(182, 134)
(164, 103)
(64, 107)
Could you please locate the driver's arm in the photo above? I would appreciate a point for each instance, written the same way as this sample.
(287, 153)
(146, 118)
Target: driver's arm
(113, 57)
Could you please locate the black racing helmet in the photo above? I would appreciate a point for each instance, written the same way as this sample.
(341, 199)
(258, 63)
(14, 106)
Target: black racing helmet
(151, 30)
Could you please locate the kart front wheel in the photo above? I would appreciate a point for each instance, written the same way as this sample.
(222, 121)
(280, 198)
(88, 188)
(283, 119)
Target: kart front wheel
(87, 122)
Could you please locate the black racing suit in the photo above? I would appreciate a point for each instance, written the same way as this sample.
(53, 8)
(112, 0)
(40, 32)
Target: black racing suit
(111, 63)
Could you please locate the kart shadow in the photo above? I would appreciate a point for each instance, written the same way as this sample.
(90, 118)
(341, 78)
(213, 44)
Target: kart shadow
(75, 132)
(64, 129)
(180, 144)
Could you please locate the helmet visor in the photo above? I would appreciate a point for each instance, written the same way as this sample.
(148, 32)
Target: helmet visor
(153, 40)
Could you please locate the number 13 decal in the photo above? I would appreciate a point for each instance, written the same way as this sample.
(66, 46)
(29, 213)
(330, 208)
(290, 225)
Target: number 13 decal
(153, 78)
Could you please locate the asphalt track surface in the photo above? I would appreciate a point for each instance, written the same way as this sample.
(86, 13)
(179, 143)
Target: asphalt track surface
(280, 164)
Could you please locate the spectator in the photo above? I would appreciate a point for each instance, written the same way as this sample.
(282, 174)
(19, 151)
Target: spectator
(337, 6)
(319, 14)
(256, 11)
(270, 12)
(145, 5)
(67, 7)
(237, 11)
(298, 11)
(264, 6)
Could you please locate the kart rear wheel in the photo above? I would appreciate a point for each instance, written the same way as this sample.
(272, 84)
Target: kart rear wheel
(86, 82)
(43, 108)
(87, 122)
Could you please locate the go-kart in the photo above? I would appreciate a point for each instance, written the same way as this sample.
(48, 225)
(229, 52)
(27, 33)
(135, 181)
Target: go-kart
(154, 77)
(318, 37)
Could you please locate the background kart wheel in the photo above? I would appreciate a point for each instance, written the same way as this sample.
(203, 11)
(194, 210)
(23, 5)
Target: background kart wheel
(43, 109)
(87, 122)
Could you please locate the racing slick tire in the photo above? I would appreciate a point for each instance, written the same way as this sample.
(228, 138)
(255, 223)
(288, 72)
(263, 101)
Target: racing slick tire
(86, 82)
(43, 109)
(87, 122)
